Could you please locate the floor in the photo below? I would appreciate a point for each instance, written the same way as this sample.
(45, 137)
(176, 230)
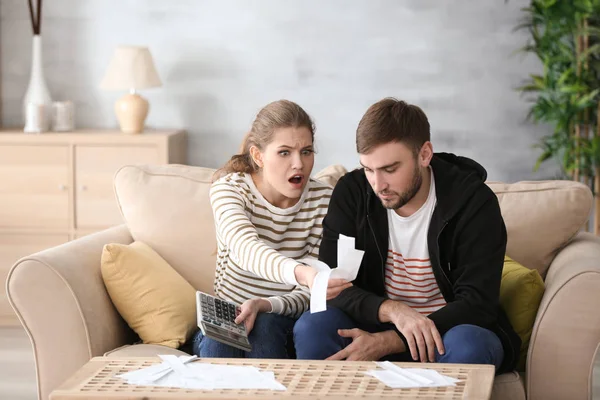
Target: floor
(596, 380)
(17, 371)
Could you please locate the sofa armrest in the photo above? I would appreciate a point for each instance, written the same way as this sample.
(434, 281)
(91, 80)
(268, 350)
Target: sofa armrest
(567, 328)
(60, 298)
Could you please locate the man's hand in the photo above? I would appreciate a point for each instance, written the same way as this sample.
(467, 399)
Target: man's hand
(305, 275)
(367, 346)
(250, 309)
(420, 332)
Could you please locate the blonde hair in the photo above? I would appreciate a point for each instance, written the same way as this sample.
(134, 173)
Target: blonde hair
(275, 115)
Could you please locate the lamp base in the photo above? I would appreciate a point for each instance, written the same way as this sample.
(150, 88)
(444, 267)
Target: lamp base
(131, 110)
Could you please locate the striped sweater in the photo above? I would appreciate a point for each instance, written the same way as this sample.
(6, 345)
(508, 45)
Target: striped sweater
(258, 244)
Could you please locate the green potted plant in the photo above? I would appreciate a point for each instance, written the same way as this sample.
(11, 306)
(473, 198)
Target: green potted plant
(565, 36)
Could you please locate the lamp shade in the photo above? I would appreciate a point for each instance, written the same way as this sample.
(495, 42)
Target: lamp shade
(131, 67)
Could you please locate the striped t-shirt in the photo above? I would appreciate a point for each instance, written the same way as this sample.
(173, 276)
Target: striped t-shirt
(408, 274)
(258, 244)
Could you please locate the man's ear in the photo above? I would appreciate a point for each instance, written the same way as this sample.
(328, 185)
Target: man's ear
(426, 154)
(256, 156)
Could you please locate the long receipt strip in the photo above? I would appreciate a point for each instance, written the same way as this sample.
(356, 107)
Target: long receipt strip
(181, 372)
(349, 260)
(397, 377)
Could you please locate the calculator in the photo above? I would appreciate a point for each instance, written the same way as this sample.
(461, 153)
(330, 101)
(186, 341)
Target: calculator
(216, 320)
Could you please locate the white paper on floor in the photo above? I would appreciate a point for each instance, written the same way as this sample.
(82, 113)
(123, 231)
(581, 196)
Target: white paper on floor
(397, 377)
(349, 260)
(181, 372)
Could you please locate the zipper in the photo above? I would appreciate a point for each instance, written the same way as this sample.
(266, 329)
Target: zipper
(382, 269)
(378, 250)
(437, 241)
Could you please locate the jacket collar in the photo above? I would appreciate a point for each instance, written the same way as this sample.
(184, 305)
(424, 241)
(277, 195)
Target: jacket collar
(456, 180)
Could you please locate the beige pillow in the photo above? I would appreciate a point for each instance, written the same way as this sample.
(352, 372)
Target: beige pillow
(541, 217)
(168, 208)
(331, 174)
(156, 302)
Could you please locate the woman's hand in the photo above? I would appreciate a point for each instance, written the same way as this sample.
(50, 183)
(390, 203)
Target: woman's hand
(305, 275)
(250, 309)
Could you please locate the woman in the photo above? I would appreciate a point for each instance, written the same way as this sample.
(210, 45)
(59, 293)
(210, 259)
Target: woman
(268, 214)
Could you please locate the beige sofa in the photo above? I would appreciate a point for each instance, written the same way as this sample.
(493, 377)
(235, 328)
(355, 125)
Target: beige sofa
(61, 300)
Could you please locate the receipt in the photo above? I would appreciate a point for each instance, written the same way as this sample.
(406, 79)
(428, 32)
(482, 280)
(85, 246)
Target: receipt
(396, 377)
(349, 260)
(182, 372)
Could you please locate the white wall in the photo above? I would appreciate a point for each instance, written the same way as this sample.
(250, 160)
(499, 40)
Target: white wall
(221, 60)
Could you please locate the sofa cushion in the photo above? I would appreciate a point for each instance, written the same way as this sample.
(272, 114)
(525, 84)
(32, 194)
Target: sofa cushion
(167, 207)
(143, 350)
(521, 292)
(541, 217)
(508, 386)
(156, 302)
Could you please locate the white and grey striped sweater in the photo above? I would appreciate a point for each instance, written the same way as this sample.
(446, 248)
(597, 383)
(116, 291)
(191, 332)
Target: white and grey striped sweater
(258, 243)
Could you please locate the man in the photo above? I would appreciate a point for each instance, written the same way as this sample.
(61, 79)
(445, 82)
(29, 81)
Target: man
(434, 241)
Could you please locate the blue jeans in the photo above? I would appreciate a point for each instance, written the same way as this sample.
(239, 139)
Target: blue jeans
(270, 338)
(316, 338)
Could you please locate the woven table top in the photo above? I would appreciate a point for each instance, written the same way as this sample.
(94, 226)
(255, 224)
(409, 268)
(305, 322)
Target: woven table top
(303, 379)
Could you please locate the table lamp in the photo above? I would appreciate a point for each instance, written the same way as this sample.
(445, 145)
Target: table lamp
(131, 68)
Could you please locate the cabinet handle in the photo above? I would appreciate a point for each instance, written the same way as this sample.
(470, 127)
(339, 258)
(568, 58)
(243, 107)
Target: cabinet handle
(62, 188)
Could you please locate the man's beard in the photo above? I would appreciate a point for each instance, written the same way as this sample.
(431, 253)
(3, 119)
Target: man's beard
(408, 194)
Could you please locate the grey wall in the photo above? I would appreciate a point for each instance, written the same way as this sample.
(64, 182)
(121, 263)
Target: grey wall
(221, 60)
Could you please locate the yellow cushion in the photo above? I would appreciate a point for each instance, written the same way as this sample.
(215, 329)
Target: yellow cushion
(521, 292)
(156, 302)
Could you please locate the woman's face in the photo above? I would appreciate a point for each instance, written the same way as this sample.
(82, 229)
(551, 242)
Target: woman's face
(286, 164)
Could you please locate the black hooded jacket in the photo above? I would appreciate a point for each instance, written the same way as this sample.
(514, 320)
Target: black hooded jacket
(466, 240)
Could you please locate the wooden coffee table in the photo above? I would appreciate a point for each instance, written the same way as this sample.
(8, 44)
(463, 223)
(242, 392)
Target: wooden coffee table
(303, 379)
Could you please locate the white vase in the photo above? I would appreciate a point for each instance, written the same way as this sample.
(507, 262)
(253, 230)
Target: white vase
(37, 92)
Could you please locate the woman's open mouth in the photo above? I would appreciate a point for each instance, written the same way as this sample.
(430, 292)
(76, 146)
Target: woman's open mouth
(296, 181)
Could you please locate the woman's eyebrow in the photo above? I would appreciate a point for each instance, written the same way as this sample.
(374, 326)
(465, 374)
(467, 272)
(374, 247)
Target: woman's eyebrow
(285, 146)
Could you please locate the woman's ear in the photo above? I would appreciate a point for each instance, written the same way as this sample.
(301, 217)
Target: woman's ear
(256, 156)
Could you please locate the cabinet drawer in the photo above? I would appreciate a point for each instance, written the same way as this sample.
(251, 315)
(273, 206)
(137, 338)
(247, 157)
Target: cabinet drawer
(95, 167)
(34, 188)
(14, 246)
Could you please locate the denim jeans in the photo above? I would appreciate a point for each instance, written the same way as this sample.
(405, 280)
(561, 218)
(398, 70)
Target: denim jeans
(270, 338)
(316, 338)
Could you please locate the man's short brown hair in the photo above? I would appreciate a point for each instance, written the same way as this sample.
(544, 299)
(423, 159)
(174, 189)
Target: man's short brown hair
(392, 120)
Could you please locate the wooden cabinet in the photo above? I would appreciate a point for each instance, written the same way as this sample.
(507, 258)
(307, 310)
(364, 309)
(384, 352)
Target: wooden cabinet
(56, 187)
(34, 186)
(95, 167)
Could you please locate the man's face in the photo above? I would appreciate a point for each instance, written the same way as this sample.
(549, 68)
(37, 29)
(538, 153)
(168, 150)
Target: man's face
(394, 173)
